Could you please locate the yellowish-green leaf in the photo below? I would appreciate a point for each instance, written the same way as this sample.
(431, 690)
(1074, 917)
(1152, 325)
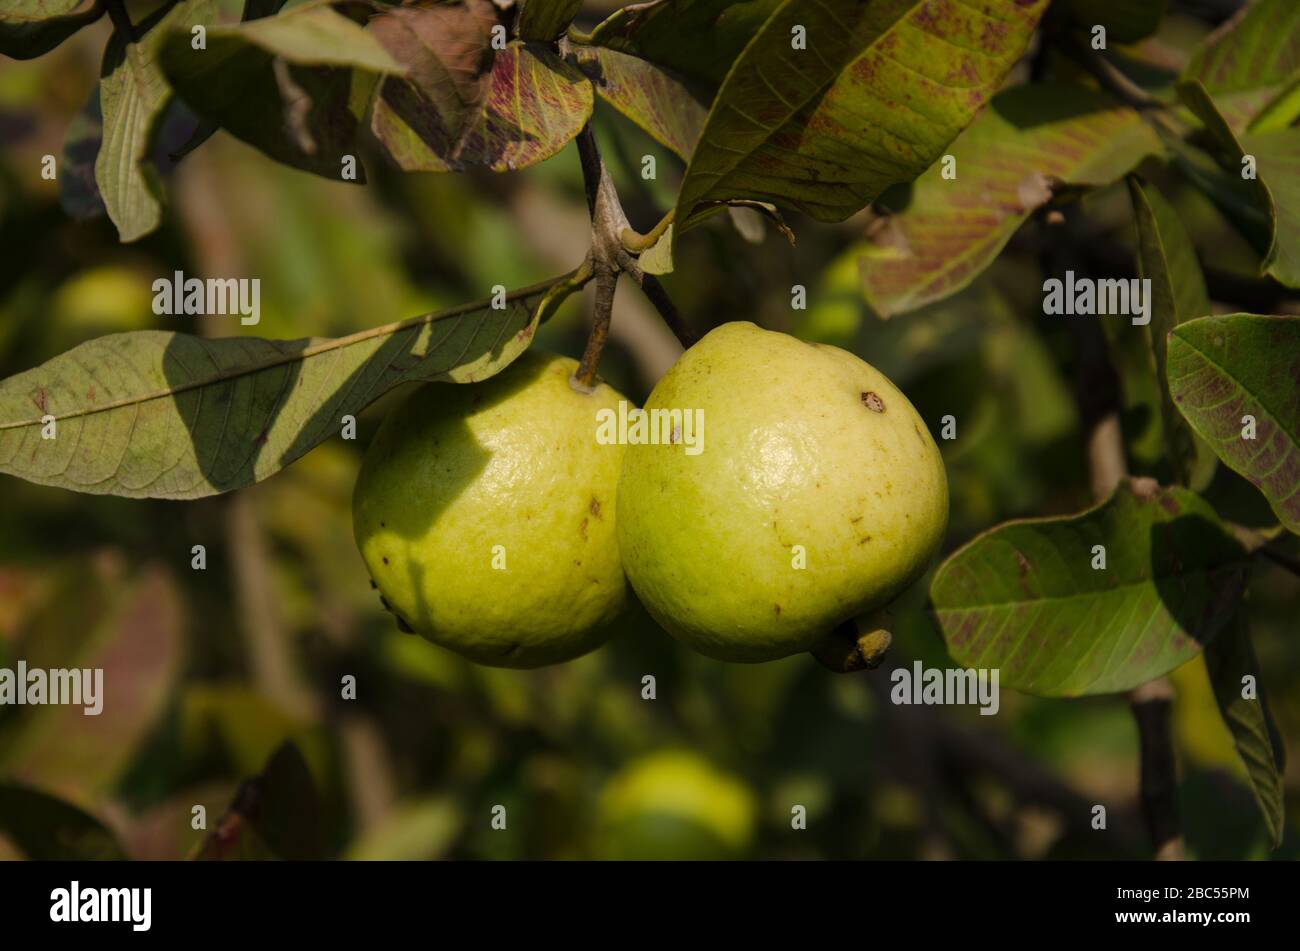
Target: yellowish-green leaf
(171, 415)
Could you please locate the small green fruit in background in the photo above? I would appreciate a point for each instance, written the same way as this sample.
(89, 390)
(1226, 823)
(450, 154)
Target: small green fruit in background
(485, 514)
(810, 457)
(675, 805)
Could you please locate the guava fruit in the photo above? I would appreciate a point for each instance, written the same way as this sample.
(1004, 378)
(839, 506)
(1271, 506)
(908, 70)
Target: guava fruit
(675, 805)
(816, 495)
(485, 515)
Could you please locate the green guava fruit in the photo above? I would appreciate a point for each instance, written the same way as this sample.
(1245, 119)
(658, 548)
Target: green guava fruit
(485, 514)
(816, 495)
(675, 805)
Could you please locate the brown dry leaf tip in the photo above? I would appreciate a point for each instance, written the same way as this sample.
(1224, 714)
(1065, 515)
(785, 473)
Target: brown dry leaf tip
(873, 402)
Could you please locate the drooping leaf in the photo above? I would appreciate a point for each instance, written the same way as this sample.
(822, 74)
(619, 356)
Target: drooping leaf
(1277, 155)
(1126, 21)
(1266, 164)
(650, 97)
(275, 815)
(699, 39)
(133, 95)
(131, 630)
(31, 28)
(1166, 257)
(1222, 369)
(1024, 597)
(1250, 60)
(1230, 660)
(47, 829)
(294, 85)
(1006, 165)
(543, 20)
(170, 415)
(458, 108)
(833, 102)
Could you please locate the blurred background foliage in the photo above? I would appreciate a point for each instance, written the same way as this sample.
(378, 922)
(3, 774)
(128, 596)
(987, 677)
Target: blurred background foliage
(211, 672)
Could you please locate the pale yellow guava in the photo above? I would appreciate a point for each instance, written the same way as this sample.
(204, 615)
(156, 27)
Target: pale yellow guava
(485, 514)
(675, 805)
(816, 495)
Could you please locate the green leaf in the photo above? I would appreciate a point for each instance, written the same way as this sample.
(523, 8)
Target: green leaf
(1250, 60)
(1223, 368)
(294, 85)
(1007, 163)
(1126, 21)
(1166, 257)
(169, 415)
(1273, 189)
(1230, 659)
(133, 96)
(48, 830)
(275, 815)
(1277, 157)
(826, 128)
(31, 28)
(698, 39)
(650, 97)
(544, 20)
(1024, 597)
(131, 629)
(462, 104)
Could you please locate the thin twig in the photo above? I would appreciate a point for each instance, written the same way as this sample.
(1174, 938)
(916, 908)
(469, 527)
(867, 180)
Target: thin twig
(636, 242)
(121, 21)
(657, 295)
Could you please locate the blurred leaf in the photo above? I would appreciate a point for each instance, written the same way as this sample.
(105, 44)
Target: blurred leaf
(31, 28)
(78, 190)
(137, 641)
(647, 95)
(1274, 188)
(133, 96)
(293, 85)
(1024, 597)
(413, 831)
(48, 830)
(544, 20)
(241, 727)
(1178, 294)
(275, 815)
(827, 128)
(1126, 21)
(1230, 658)
(1223, 368)
(1250, 59)
(153, 414)
(1007, 165)
(699, 39)
(461, 106)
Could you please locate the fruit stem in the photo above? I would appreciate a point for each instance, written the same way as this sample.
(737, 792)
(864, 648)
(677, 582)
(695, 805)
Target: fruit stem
(609, 258)
(606, 284)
